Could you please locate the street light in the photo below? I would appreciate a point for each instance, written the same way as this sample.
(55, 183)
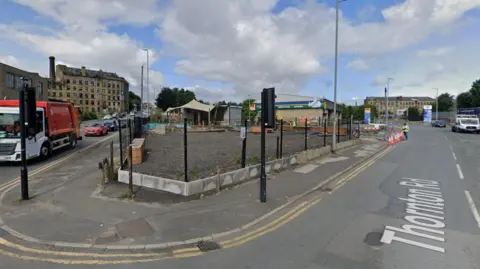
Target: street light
(148, 81)
(334, 144)
(436, 105)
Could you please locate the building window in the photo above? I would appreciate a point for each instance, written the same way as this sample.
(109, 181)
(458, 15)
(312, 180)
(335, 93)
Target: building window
(68, 87)
(74, 81)
(74, 88)
(92, 90)
(109, 103)
(80, 95)
(68, 81)
(98, 84)
(92, 103)
(109, 85)
(60, 94)
(80, 82)
(92, 96)
(68, 94)
(92, 83)
(81, 102)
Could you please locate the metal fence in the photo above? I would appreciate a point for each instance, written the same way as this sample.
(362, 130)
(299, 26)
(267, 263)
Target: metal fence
(128, 129)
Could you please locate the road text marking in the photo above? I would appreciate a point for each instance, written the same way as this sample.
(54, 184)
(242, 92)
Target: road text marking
(306, 168)
(460, 173)
(473, 208)
(425, 213)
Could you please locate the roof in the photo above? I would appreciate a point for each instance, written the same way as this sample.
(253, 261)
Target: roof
(21, 70)
(72, 71)
(404, 98)
(195, 105)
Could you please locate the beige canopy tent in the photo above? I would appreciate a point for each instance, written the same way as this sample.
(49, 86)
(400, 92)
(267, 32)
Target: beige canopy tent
(193, 105)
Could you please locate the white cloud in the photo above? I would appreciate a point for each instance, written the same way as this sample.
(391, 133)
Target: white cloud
(84, 39)
(366, 12)
(358, 64)
(238, 42)
(10, 60)
(434, 51)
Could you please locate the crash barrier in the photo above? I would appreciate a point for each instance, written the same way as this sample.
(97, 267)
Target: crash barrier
(395, 137)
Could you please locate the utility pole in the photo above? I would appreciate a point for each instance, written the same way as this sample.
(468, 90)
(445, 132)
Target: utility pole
(148, 80)
(334, 139)
(436, 105)
(141, 91)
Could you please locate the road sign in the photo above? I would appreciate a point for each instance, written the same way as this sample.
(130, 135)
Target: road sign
(243, 132)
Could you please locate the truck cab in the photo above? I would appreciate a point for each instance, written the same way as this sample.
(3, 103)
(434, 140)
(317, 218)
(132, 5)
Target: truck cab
(58, 126)
(466, 124)
(10, 135)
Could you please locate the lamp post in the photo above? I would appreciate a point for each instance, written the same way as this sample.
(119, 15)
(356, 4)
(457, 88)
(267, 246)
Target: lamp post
(148, 81)
(334, 139)
(436, 105)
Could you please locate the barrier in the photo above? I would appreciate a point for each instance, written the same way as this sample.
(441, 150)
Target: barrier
(395, 138)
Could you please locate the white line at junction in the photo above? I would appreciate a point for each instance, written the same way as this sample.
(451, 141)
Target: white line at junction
(473, 208)
(460, 173)
(454, 156)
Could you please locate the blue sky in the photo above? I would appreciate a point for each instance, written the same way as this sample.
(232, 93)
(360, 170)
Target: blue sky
(231, 49)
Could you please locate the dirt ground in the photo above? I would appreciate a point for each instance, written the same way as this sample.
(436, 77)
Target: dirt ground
(206, 151)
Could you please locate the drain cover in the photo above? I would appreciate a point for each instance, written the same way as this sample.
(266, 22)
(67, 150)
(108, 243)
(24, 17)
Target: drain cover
(373, 239)
(206, 246)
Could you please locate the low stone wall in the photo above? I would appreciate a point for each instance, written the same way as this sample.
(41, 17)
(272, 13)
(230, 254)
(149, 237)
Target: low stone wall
(230, 178)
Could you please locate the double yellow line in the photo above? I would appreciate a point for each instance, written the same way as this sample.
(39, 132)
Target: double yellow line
(359, 169)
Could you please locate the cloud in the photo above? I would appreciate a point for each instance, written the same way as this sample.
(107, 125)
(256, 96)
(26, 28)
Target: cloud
(365, 13)
(358, 64)
(84, 39)
(379, 81)
(434, 52)
(10, 60)
(250, 47)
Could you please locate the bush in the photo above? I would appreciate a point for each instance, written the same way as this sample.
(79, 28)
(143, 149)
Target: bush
(89, 115)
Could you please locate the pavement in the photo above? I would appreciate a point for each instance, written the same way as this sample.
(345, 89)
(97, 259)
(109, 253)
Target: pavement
(12, 170)
(414, 205)
(69, 206)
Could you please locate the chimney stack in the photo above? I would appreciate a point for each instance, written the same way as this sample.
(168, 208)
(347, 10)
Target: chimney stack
(84, 71)
(52, 72)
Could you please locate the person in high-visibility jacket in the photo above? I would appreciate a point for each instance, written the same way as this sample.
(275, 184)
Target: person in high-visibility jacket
(405, 131)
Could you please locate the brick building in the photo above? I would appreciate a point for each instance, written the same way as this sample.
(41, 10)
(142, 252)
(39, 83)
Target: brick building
(10, 82)
(90, 90)
(398, 104)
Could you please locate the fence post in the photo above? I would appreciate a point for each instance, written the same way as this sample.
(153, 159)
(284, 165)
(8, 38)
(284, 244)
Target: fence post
(185, 152)
(112, 165)
(358, 129)
(325, 132)
(130, 171)
(278, 147)
(281, 138)
(305, 135)
(338, 131)
(244, 147)
(130, 130)
(350, 124)
(121, 142)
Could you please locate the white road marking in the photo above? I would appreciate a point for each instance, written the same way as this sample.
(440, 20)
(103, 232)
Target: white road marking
(454, 156)
(306, 168)
(460, 173)
(450, 147)
(473, 208)
(446, 138)
(420, 200)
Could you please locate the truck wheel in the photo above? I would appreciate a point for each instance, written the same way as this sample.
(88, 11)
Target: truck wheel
(73, 141)
(44, 151)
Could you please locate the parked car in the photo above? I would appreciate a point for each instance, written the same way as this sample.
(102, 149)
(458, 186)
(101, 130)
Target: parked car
(95, 129)
(439, 124)
(111, 125)
(107, 117)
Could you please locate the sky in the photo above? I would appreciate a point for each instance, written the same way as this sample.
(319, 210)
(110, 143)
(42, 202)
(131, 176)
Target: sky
(232, 49)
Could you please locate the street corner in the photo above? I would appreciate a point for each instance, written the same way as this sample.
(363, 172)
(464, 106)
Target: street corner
(72, 254)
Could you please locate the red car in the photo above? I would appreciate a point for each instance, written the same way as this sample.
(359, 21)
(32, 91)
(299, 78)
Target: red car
(95, 129)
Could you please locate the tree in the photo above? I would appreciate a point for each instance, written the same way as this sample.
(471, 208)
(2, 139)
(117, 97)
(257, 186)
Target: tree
(246, 113)
(413, 111)
(464, 100)
(173, 97)
(133, 101)
(475, 93)
(359, 112)
(445, 103)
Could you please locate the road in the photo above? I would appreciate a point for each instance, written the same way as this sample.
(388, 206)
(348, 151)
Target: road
(12, 170)
(415, 207)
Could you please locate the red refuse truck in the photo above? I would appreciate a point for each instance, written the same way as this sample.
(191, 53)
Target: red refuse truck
(58, 126)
